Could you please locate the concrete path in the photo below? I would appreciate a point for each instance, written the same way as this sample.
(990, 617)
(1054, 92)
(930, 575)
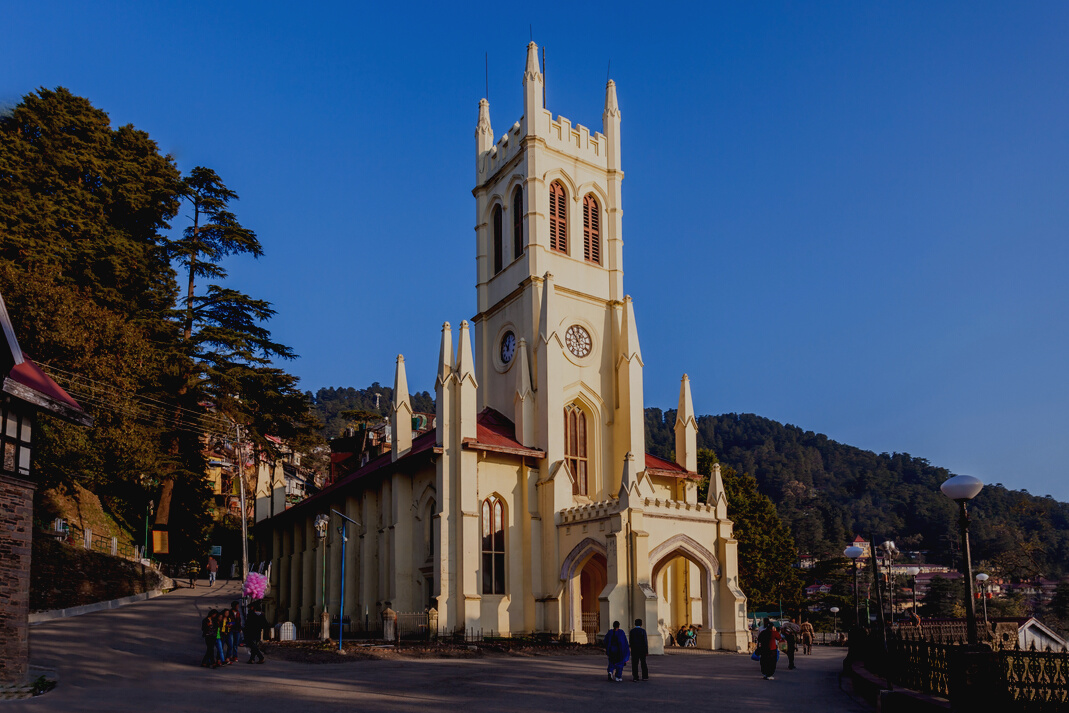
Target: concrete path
(145, 657)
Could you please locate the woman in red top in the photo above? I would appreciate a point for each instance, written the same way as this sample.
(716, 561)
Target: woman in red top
(768, 649)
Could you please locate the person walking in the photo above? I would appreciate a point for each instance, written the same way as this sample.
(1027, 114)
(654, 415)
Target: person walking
(208, 633)
(617, 650)
(213, 567)
(640, 648)
(255, 625)
(768, 649)
(790, 635)
(807, 638)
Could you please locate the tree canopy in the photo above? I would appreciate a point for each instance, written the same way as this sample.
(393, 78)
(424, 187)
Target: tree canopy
(87, 267)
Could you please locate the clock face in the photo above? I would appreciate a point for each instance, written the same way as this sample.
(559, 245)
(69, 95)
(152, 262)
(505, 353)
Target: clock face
(578, 340)
(508, 347)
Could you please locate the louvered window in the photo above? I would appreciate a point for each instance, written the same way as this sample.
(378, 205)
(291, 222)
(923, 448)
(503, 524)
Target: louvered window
(591, 230)
(497, 240)
(517, 223)
(493, 547)
(558, 218)
(575, 447)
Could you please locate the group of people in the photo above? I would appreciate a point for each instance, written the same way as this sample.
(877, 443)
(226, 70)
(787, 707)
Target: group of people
(620, 652)
(687, 636)
(768, 644)
(227, 630)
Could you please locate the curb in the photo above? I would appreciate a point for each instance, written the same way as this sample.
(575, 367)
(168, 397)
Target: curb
(43, 616)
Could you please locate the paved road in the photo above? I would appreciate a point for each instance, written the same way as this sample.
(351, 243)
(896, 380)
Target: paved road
(145, 657)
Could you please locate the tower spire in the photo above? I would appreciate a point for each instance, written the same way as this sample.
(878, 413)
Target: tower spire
(533, 97)
(401, 412)
(686, 429)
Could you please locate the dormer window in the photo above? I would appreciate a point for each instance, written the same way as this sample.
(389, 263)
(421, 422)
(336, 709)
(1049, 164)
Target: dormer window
(558, 220)
(498, 258)
(591, 230)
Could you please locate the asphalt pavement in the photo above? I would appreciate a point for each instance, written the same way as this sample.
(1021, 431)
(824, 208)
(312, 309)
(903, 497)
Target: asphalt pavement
(146, 657)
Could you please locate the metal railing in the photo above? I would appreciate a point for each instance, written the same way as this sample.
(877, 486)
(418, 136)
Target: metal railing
(75, 536)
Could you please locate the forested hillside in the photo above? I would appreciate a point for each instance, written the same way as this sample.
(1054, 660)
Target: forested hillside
(337, 408)
(828, 492)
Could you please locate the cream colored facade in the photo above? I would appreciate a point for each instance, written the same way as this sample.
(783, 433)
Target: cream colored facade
(592, 529)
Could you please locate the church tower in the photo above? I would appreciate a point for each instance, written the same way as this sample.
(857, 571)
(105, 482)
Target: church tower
(555, 334)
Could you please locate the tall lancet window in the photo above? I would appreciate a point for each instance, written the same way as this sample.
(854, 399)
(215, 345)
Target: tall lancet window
(575, 447)
(493, 546)
(497, 239)
(558, 218)
(591, 230)
(517, 222)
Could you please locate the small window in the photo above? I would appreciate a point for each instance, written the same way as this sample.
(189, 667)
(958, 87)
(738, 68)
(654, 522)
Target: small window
(558, 218)
(493, 516)
(497, 240)
(575, 447)
(517, 222)
(591, 230)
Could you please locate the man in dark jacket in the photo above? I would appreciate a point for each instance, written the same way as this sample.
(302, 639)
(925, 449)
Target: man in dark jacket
(255, 623)
(640, 646)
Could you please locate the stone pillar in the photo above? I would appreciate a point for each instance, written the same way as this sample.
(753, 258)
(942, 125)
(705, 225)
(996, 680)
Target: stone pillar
(16, 539)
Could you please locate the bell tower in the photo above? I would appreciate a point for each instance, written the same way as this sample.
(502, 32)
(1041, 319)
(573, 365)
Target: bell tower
(555, 333)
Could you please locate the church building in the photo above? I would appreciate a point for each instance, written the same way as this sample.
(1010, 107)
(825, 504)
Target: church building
(531, 506)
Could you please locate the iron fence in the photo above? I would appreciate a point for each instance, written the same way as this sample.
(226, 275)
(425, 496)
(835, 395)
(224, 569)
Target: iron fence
(1035, 680)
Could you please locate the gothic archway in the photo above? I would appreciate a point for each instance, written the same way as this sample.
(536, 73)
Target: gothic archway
(585, 574)
(683, 573)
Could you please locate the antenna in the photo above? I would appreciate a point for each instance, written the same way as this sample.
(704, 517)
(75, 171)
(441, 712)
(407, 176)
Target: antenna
(608, 72)
(531, 28)
(543, 75)
(486, 58)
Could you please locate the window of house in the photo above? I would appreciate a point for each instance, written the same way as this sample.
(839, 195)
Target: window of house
(493, 546)
(558, 218)
(575, 447)
(517, 223)
(591, 230)
(497, 239)
(15, 440)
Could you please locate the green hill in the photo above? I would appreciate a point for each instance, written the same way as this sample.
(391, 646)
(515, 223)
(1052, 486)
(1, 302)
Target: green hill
(828, 492)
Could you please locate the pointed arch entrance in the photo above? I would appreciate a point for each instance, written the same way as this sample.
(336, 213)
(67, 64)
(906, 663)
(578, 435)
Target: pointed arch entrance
(585, 575)
(683, 573)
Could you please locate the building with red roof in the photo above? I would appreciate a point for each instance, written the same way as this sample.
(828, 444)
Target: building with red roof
(25, 392)
(532, 505)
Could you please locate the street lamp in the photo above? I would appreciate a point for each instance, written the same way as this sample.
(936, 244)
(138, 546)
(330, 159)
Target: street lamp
(341, 601)
(962, 489)
(148, 514)
(913, 572)
(853, 552)
(981, 580)
(834, 620)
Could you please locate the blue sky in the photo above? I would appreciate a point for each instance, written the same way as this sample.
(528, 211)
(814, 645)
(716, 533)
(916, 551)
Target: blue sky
(851, 217)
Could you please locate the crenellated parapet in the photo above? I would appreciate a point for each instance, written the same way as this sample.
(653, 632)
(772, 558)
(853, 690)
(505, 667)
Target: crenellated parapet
(588, 512)
(507, 147)
(577, 142)
(675, 508)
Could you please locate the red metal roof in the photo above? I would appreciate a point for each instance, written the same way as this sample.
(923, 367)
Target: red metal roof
(494, 429)
(30, 375)
(660, 466)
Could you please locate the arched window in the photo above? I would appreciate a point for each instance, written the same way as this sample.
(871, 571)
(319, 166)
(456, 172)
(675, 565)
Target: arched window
(591, 230)
(558, 218)
(493, 546)
(497, 239)
(575, 447)
(517, 222)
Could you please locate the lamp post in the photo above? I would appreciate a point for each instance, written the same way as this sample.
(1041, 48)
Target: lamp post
(835, 620)
(962, 489)
(321, 524)
(913, 572)
(853, 552)
(981, 580)
(341, 600)
(148, 514)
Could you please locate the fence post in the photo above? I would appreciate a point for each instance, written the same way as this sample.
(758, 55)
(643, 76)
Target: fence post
(972, 678)
(115, 546)
(88, 536)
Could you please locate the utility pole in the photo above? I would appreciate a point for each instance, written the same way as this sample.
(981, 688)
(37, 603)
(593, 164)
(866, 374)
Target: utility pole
(244, 525)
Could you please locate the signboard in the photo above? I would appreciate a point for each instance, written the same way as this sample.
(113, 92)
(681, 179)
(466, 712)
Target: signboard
(160, 544)
(217, 550)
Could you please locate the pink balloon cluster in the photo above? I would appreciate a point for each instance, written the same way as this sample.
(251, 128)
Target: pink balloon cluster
(255, 585)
